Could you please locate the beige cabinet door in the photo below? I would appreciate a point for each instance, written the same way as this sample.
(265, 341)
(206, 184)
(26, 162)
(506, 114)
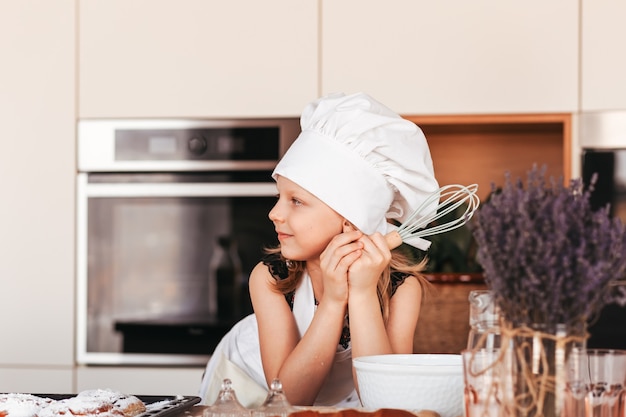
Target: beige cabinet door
(141, 380)
(37, 169)
(197, 58)
(58, 380)
(454, 56)
(603, 69)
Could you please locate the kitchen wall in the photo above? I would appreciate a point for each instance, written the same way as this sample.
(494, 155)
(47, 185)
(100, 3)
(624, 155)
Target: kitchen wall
(68, 59)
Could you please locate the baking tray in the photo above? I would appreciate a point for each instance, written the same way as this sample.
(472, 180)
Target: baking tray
(157, 405)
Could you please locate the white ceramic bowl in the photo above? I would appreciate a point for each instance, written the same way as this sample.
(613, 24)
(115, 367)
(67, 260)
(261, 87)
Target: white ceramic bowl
(412, 382)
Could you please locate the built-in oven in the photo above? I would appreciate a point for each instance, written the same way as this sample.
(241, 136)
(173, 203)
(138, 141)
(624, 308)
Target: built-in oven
(171, 219)
(603, 157)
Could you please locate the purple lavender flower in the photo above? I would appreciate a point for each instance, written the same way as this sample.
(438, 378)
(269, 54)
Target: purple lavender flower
(547, 256)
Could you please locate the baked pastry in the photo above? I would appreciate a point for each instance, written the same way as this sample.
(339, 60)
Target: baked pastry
(22, 405)
(351, 412)
(80, 407)
(129, 405)
(89, 403)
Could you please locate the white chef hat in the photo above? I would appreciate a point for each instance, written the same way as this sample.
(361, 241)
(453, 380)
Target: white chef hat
(362, 159)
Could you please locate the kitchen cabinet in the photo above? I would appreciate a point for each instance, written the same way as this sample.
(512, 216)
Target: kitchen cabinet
(163, 58)
(37, 176)
(603, 65)
(454, 56)
(197, 58)
(37, 380)
(139, 380)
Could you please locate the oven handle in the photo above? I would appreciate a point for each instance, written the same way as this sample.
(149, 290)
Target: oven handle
(178, 190)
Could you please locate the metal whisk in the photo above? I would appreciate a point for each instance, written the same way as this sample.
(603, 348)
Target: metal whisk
(446, 200)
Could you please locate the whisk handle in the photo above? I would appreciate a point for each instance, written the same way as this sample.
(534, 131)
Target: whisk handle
(393, 239)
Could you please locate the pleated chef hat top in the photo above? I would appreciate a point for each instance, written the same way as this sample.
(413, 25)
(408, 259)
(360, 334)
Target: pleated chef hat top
(362, 159)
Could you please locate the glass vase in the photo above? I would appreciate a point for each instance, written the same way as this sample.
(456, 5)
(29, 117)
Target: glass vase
(538, 368)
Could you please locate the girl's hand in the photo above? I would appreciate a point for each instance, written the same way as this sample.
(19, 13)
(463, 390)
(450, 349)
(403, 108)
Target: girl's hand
(365, 271)
(340, 254)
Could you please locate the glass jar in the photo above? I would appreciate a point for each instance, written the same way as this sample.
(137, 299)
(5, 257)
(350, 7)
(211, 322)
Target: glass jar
(483, 320)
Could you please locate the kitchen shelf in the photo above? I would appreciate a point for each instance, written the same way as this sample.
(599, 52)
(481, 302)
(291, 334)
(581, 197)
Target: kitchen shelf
(481, 148)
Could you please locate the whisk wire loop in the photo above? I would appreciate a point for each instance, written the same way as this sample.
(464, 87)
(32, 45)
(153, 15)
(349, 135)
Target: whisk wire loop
(441, 203)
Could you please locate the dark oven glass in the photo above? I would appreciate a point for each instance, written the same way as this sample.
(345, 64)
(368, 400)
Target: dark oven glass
(169, 274)
(609, 167)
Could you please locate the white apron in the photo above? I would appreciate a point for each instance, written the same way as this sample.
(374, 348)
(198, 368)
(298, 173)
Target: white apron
(238, 357)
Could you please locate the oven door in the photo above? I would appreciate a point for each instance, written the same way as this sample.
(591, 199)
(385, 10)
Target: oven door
(146, 255)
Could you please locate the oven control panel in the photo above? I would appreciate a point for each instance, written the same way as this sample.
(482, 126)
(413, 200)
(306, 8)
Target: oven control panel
(183, 145)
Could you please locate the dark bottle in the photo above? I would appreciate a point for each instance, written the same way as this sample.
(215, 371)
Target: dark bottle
(225, 278)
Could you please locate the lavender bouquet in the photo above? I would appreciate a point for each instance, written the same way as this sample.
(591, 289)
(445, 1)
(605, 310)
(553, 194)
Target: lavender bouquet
(547, 256)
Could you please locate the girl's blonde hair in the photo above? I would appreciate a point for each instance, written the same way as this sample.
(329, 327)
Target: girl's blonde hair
(402, 261)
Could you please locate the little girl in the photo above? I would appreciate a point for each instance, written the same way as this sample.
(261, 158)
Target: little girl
(332, 290)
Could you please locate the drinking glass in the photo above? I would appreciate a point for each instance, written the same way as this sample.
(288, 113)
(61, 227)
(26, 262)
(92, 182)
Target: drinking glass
(596, 383)
(607, 378)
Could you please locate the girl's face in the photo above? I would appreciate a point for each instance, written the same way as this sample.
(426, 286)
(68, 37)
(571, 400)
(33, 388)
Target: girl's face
(304, 224)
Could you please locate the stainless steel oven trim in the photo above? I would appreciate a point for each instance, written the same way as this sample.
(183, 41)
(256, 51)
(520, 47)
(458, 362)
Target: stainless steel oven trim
(96, 139)
(82, 356)
(86, 191)
(178, 166)
(603, 129)
(181, 190)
